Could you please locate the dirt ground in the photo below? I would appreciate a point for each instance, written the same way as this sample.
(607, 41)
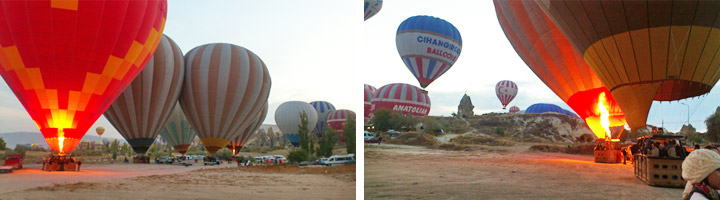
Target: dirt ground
(160, 181)
(409, 172)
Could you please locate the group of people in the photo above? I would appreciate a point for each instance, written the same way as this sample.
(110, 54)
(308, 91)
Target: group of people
(670, 150)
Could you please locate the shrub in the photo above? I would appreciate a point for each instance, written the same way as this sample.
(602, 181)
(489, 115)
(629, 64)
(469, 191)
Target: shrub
(298, 156)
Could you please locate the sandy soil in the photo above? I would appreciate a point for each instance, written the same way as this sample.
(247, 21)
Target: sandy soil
(408, 172)
(152, 181)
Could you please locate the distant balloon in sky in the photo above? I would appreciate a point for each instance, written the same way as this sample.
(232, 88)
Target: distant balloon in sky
(372, 7)
(224, 86)
(177, 130)
(549, 54)
(143, 108)
(506, 91)
(66, 61)
(336, 119)
(644, 50)
(429, 46)
(323, 108)
(514, 109)
(287, 118)
(369, 92)
(401, 97)
(100, 130)
(238, 141)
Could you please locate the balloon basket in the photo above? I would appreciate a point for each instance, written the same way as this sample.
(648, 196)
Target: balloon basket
(61, 162)
(141, 159)
(608, 151)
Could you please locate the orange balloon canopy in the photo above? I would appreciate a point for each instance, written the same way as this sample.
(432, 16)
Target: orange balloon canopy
(644, 50)
(67, 61)
(548, 53)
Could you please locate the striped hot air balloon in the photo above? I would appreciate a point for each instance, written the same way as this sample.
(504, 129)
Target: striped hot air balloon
(224, 86)
(336, 119)
(67, 61)
(429, 46)
(549, 54)
(323, 108)
(644, 50)
(100, 130)
(142, 109)
(514, 109)
(506, 91)
(237, 142)
(401, 97)
(287, 118)
(372, 7)
(369, 92)
(177, 130)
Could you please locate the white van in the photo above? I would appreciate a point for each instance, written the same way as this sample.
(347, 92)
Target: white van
(340, 160)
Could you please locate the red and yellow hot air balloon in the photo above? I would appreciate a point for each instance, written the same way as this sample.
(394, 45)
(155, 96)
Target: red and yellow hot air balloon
(66, 61)
(548, 53)
(100, 130)
(644, 50)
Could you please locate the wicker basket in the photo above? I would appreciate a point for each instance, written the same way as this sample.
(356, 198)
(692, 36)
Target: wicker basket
(608, 156)
(663, 172)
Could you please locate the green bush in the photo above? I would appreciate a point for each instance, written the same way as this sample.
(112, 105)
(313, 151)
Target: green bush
(298, 156)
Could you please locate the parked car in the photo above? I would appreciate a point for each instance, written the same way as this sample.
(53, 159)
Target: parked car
(12, 162)
(280, 159)
(391, 131)
(211, 161)
(268, 159)
(340, 160)
(258, 159)
(164, 159)
(321, 161)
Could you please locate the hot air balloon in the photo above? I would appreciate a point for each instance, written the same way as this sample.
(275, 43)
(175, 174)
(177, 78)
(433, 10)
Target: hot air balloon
(143, 108)
(369, 92)
(506, 91)
(337, 118)
(644, 50)
(224, 86)
(429, 46)
(372, 7)
(323, 108)
(177, 130)
(238, 141)
(514, 109)
(546, 107)
(401, 97)
(100, 130)
(287, 117)
(66, 61)
(548, 53)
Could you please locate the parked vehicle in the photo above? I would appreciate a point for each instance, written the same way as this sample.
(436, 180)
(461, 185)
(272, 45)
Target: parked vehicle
(211, 161)
(268, 159)
(321, 161)
(258, 159)
(12, 162)
(340, 160)
(165, 160)
(280, 159)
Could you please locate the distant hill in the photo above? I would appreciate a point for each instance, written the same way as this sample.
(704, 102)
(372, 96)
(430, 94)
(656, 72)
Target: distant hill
(15, 138)
(543, 127)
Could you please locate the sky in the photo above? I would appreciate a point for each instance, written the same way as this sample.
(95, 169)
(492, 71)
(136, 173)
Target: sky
(309, 55)
(486, 58)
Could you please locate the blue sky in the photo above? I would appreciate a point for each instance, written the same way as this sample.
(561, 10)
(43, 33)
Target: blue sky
(309, 48)
(487, 58)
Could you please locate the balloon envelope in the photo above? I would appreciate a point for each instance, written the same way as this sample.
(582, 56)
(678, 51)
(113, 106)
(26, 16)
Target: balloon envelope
(224, 86)
(337, 118)
(369, 91)
(506, 91)
(287, 117)
(644, 50)
(177, 130)
(67, 62)
(323, 108)
(401, 97)
(428, 46)
(546, 107)
(143, 108)
(238, 141)
(100, 130)
(514, 109)
(372, 7)
(549, 54)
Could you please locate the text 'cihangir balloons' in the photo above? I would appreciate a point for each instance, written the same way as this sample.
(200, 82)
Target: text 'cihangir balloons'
(143, 108)
(401, 97)
(429, 46)
(372, 7)
(67, 61)
(225, 85)
(506, 91)
(644, 50)
(549, 54)
(287, 118)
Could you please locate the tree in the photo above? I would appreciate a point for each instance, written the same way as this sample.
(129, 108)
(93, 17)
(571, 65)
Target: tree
(114, 148)
(303, 131)
(21, 149)
(432, 125)
(327, 142)
(713, 127)
(2, 144)
(298, 156)
(382, 119)
(349, 130)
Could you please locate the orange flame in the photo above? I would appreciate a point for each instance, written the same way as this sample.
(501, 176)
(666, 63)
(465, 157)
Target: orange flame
(604, 115)
(61, 139)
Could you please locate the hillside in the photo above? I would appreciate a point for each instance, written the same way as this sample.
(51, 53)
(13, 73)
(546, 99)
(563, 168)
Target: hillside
(15, 138)
(545, 127)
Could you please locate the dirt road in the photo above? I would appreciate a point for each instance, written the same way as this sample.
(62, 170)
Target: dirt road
(407, 172)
